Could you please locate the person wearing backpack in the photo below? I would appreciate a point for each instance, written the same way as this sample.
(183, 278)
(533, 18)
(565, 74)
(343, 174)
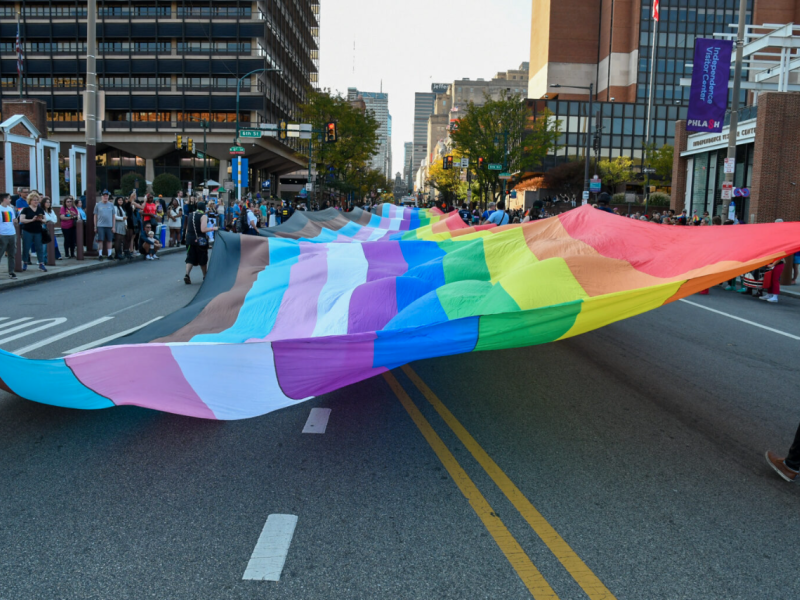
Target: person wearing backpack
(197, 241)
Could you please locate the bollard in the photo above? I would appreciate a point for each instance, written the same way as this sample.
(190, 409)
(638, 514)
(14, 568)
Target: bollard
(79, 236)
(51, 247)
(18, 257)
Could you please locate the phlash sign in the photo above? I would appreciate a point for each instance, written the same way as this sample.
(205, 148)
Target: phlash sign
(708, 98)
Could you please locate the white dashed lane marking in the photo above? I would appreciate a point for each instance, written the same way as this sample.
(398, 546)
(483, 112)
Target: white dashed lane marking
(317, 421)
(269, 556)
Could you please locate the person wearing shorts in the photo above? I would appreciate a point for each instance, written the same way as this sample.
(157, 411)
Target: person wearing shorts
(104, 225)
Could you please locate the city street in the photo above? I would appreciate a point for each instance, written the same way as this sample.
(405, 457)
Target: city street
(624, 463)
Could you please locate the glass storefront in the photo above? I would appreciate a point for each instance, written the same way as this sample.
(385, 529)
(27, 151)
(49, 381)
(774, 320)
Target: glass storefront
(705, 174)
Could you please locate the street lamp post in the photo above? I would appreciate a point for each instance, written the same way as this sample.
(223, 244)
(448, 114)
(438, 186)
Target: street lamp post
(238, 89)
(588, 132)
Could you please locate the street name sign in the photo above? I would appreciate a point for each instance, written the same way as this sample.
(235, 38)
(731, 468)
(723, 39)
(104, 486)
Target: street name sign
(250, 133)
(495, 167)
(237, 150)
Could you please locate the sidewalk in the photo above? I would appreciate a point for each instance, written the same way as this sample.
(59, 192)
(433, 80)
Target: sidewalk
(793, 291)
(67, 267)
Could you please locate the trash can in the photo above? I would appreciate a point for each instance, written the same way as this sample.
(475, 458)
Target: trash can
(161, 234)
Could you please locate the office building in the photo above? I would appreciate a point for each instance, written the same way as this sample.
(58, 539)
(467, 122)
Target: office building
(164, 68)
(612, 51)
(512, 82)
(407, 164)
(378, 104)
(423, 108)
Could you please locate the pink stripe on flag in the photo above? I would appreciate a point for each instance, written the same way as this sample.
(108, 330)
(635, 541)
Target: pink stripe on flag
(146, 376)
(297, 315)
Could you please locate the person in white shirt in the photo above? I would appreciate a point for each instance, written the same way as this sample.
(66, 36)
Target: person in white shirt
(50, 217)
(8, 234)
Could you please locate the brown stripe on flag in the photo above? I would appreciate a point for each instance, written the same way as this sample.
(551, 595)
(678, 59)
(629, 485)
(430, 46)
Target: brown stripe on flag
(221, 313)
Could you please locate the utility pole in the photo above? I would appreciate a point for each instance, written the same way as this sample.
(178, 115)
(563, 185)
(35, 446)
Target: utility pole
(90, 185)
(737, 86)
(588, 132)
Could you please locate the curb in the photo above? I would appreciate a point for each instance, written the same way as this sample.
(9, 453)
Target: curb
(92, 264)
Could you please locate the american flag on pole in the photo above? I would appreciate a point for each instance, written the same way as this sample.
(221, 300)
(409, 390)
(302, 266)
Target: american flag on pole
(655, 10)
(19, 53)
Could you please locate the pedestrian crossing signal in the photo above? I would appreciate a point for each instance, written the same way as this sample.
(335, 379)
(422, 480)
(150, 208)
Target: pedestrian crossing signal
(330, 132)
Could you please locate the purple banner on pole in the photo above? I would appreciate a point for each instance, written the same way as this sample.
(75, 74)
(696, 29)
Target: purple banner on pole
(708, 98)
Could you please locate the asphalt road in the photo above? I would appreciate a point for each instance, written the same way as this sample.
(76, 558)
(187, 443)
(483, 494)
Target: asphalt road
(640, 445)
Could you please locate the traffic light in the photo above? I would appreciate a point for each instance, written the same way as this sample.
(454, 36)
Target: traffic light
(282, 130)
(330, 132)
(449, 162)
(190, 145)
(597, 144)
(481, 162)
(444, 163)
(179, 143)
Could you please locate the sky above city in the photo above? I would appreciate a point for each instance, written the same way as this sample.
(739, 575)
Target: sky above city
(409, 44)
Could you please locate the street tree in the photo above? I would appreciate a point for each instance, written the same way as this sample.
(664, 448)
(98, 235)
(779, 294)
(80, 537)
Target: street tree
(615, 172)
(502, 132)
(446, 181)
(346, 160)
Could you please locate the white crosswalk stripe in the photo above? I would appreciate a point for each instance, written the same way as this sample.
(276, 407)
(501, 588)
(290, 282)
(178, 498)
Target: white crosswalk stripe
(52, 323)
(61, 336)
(110, 338)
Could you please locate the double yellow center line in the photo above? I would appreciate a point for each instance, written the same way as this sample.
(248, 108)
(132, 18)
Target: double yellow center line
(527, 571)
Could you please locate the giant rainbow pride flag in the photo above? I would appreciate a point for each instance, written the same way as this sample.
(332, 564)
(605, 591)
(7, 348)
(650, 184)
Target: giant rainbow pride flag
(329, 299)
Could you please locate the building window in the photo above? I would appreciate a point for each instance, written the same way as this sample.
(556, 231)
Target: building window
(9, 47)
(134, 82)
(134, 11)
(215, 11)
(139, 47)
(49, 11)
(137, 116)
(224, 47)
(223, 83)
(214, 117)
(64, 115)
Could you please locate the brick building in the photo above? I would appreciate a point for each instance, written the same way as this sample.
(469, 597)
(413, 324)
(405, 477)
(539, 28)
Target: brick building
(767, 159)
(22, 172)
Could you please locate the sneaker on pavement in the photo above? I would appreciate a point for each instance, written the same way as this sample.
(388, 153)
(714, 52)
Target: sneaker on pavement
(148, 257)
(779, 465)
(772, 298)
(24, 266)
(41, 268)
(729, 288)
(12, 275)
(156, 256)
(100, 258)
(187, 280)
(765, 297)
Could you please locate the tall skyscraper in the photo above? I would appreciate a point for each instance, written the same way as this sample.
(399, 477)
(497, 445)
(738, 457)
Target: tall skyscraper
(423, 108)
(408, 174)
(165, 66)
(378, 104)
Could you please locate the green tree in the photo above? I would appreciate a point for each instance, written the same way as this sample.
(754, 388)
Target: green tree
(502, 132)
(615, 172)
(662, 162)
(357, 139)
(128, 182)
(166, 185)
(446, 181)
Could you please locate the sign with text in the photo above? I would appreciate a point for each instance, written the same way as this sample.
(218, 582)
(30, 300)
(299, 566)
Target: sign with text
(595, 184)
(730, 165)
(439, 88)
(727, 190)
(495, 167)
(250, 133)
(708, 98)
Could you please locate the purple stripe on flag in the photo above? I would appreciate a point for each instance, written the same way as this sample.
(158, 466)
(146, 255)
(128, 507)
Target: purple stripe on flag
(297, 315)
(363, 234)
(372, 305)
(146, 376)
(385, 259)
(316, 366)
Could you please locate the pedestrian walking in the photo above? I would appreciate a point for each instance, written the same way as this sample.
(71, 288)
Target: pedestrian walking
(772, 282)
(788, 467)
(197, 242)
(69, 216)
(50, 217)
(8, 234)
(31, 219)
(104, 225)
